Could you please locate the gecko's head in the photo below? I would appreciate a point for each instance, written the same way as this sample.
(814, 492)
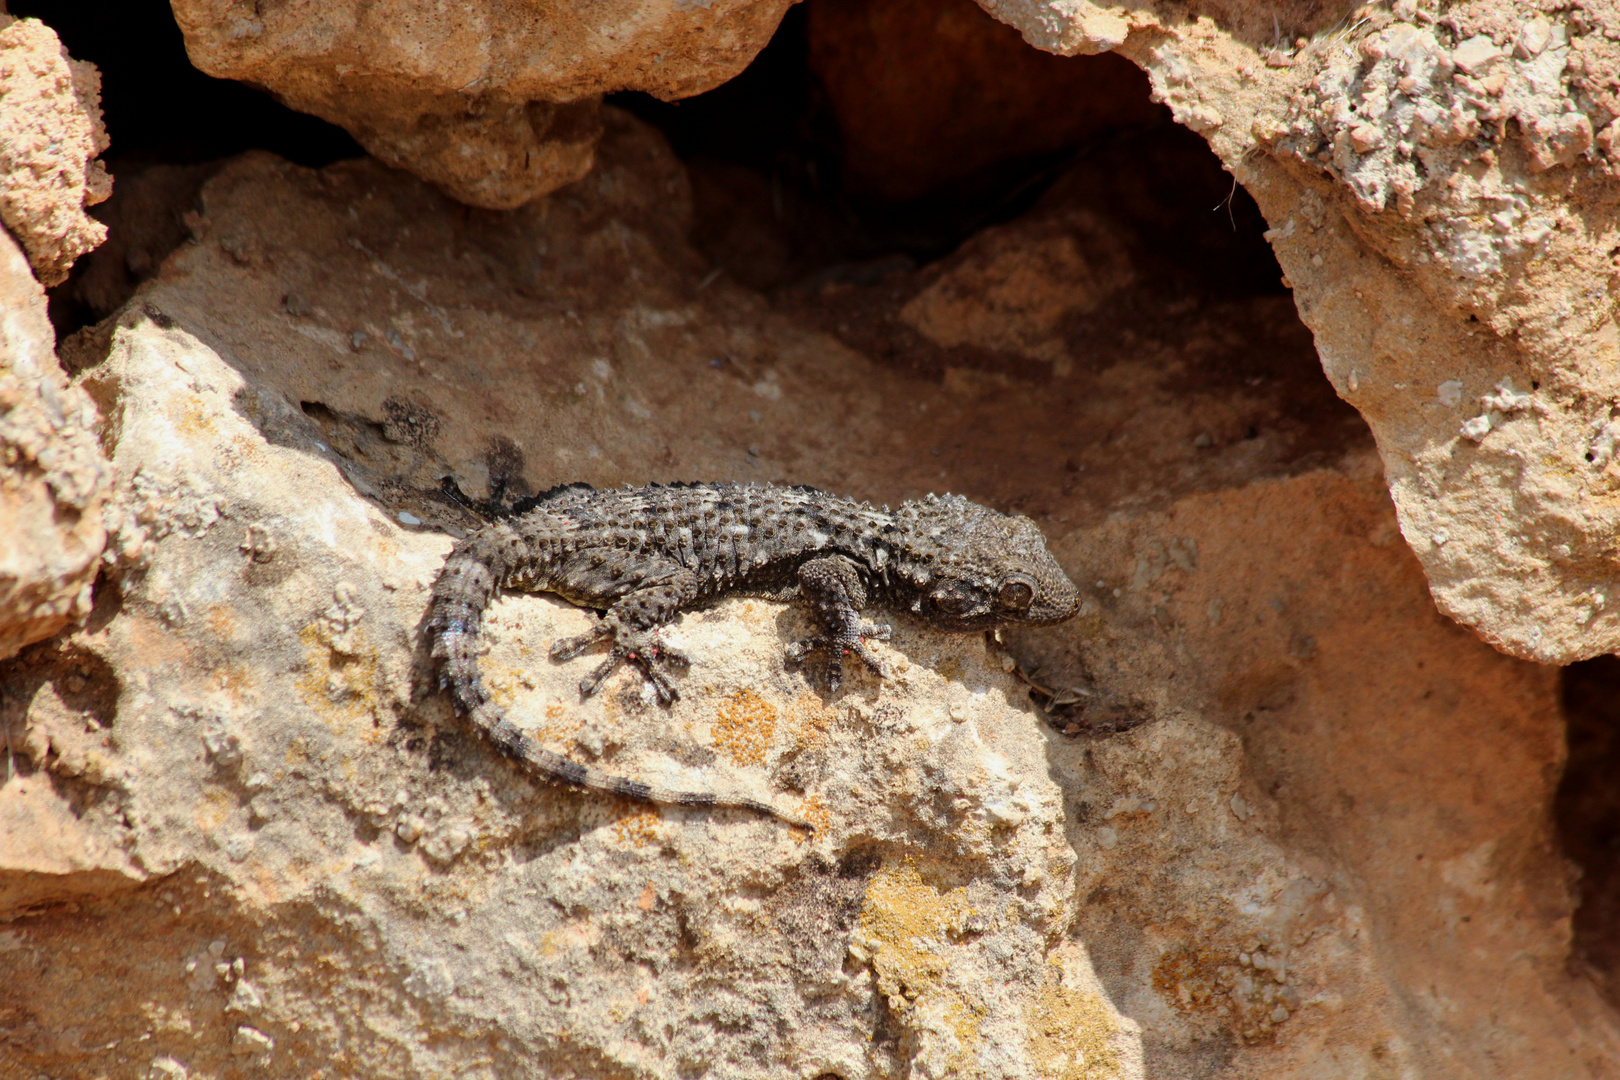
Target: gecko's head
(979, 567)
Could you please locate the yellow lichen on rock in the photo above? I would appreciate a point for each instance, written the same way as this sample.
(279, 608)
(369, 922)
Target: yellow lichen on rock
(1070, 1036)
(340, 685)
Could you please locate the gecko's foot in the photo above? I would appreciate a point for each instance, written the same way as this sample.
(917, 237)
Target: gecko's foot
(642, 649)
(837, 646)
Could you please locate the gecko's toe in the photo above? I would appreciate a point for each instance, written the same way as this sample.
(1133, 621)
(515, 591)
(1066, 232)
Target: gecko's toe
(870, 659)
(671, 655)
(569, 647)
(667, 694)
(796, 651)
(591, 683)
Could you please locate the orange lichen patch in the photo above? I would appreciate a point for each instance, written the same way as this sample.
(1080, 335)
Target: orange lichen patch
(1071, 1035)
(559, 726)
(811, 720)
(193, 421)
(744, 725)
(213, 808)
(503, 682)
(952, 1022)
(1250, 991)
(905, 928)
(1191, 979)
(235, 681)
(638, 826)
(815, 812)
(341, 687)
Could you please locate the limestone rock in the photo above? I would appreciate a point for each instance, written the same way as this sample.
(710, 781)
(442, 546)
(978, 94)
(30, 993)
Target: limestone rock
(53, 477)
(1326, 804)
(50, 136)
(494, 103)
(1438, 189)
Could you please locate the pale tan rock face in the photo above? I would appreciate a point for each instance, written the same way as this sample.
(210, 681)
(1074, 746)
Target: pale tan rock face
(1441, 189)
(1322, 852)
(50, 136)
(53, 477)
(495, 103)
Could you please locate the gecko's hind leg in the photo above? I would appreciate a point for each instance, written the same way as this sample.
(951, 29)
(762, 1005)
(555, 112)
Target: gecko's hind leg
(633, 624)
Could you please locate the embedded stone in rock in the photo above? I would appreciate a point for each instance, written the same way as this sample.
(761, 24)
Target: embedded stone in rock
(278, 743)
(1017, 290)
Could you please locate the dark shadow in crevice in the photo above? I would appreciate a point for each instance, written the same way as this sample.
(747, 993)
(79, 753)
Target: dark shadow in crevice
(871, 137)
(169, 124)
(1587, 813)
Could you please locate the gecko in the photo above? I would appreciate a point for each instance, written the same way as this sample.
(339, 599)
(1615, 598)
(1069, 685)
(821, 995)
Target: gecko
(641, 556)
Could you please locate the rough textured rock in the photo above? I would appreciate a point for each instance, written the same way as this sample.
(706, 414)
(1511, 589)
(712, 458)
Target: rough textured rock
(1441, 190)
(53, 477)
(494, 103)
(1322, 850)
(50, 136)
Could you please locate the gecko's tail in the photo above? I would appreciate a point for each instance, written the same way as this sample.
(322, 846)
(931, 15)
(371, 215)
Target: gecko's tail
(460, 595)
(509, 740)
(456, 613)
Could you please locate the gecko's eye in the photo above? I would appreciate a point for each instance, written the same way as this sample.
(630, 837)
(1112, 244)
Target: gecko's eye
(1016, 594)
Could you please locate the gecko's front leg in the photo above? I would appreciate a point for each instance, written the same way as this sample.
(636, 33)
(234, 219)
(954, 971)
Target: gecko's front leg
(833, 586)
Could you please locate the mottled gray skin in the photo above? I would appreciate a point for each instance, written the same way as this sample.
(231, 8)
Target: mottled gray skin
(644, 555)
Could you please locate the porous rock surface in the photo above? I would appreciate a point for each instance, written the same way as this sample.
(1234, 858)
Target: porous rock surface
(496, 103)
(1319, 847)
(50, 137)
(53, 477)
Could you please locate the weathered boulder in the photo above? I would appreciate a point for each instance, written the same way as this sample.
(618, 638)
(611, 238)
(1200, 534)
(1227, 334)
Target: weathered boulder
(53, 477)
(1440, 185)
(50, 136)
(494, 103)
